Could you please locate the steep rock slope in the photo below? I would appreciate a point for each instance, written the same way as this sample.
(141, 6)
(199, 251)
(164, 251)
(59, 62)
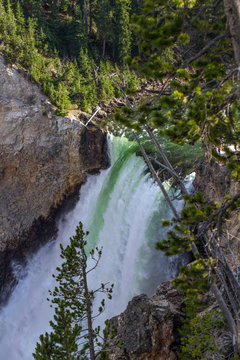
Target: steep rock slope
(43, 159)
(214, 181)
(147, 329)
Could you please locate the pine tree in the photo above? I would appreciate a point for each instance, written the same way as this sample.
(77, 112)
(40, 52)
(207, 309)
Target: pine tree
(20, 19)
(106, 85)
(192, 56)
(73, 305)
(62, 99)
(104, 22)
(187, 46)
(122, 38)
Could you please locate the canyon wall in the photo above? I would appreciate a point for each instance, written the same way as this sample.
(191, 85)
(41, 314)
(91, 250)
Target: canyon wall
(214, 180)
(44, 159)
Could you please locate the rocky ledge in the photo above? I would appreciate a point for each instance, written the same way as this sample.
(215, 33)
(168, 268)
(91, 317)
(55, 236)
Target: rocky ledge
(43, 160)
(147, 329)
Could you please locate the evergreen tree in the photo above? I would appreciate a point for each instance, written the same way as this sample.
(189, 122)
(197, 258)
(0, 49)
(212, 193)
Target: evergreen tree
(194, 55)
(104, 22)
(73, 305)
(62, 99)
(20, 19)
(39, 43)
(106, 85)
(122, 38)
(186, 46)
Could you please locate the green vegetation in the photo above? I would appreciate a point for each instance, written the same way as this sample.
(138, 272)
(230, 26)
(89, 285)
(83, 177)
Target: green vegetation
(188, 47)
(193, 62)
(76, 51)
(199, 336)
(59, 44)
(73, 305)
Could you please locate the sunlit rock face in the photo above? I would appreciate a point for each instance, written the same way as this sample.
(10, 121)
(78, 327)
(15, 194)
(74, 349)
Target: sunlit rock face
(43, 159)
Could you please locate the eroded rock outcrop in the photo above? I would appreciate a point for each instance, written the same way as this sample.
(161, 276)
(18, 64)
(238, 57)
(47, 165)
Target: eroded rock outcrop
(214, 181)
(147, 328)
(43, 159)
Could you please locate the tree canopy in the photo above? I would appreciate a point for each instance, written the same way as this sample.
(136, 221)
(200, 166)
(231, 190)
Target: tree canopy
(192, 49)
(187, 47)
(70, 48)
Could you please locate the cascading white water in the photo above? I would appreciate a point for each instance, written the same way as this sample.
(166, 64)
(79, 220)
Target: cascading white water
(122, 208)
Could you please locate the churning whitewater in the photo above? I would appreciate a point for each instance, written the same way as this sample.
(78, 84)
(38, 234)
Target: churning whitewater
(122, 208)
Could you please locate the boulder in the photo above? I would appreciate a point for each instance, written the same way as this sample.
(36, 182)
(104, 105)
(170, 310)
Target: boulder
(147, 329)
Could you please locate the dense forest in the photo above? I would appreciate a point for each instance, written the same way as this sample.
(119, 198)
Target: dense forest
(74, 49)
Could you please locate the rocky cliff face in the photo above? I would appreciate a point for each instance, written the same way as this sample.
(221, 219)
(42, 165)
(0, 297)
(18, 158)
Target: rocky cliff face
(214, 181)
(43, 159)
(147, 328)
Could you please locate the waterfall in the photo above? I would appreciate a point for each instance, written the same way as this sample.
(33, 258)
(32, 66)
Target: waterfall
(122, 208)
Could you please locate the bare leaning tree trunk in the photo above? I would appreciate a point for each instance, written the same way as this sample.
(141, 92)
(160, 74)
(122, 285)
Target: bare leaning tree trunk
(89, 310)
(156, 178)
(85, 16)
(232, 10)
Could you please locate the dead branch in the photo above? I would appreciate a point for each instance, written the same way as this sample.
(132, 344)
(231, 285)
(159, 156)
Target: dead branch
(156, 178)
(206, 48)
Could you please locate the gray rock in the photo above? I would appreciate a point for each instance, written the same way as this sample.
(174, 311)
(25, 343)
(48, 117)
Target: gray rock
(43, 159)
(146, 329)
(214, 180)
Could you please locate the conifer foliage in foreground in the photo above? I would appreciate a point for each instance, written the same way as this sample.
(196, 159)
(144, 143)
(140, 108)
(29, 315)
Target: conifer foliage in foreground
(73, 336)
(189, 47)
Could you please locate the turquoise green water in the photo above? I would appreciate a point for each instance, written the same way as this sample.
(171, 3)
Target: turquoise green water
(121, 151)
